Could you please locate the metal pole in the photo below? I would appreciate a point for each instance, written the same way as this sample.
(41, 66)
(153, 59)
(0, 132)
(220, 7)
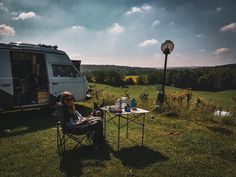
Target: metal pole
(118, 133)
(164, 77)
(127, 126)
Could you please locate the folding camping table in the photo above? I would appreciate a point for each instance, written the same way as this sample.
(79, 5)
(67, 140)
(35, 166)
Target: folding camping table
(135, 116)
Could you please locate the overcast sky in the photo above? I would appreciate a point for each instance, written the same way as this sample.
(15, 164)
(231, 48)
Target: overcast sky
(126, 32)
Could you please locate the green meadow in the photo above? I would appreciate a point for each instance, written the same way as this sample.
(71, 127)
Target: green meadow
(172, 146)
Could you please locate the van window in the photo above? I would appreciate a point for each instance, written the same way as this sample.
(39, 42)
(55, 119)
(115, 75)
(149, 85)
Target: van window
(64, 71)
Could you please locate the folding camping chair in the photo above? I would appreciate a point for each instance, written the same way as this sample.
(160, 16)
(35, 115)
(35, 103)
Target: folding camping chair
(82, 135)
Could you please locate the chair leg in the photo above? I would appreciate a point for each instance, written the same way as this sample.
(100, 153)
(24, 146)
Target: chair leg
(60, 142)
(63, 137)
(64, 143)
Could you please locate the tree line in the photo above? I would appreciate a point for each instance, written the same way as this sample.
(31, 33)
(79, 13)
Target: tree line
(202, 78)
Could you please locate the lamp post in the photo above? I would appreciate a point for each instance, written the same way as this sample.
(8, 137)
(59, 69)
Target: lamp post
(167, 47)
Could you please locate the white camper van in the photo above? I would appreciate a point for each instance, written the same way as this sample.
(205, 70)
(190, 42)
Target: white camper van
(35, 75)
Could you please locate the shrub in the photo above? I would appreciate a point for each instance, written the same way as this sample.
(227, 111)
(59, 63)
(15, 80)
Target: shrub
(144, 96)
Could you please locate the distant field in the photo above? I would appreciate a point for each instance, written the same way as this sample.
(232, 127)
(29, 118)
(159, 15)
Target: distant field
(221, 98)
(134, 77)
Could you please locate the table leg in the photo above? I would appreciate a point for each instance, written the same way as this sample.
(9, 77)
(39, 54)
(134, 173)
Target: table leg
(127, 126)
(143, 128)
(118, 133)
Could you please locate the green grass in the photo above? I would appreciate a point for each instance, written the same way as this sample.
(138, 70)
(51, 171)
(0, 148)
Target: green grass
(172, 147)
(221, 98)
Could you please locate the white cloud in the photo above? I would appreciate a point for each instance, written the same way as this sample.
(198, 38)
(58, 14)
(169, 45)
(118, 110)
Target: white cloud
(134, 10)
(3, 8)
(229, 27)
(141, 9)
(116, 28)
(155, 23)
(146, 7)
(26, 15)
(218, 9)
(198, 35)
(6, 30)
(76, 56)
(76, 28)
(221, 51)
(148, 43)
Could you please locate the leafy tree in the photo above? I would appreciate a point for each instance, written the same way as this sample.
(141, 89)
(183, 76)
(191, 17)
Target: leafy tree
(140, 80)
(129, 81)
(152, 78)
(203, 83)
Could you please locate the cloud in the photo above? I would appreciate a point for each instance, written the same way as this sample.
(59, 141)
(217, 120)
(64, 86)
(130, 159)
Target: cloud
(198, 35)
(218, 9)
(76, 28)
(146, 7)
(148, 43)
(76, 56)
(141, 9)
(155, 23)
(221, 51)
(229, 27)
(3, 8)
(116, 28)
(26, 15)
(134, 10)
(6, 30)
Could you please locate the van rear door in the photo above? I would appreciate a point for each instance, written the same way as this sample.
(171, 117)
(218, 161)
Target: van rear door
(6, 81)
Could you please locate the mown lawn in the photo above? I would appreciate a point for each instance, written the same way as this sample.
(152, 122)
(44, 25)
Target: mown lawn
(172, 147)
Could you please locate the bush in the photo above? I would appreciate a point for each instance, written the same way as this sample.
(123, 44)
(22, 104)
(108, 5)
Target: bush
(129, 81)
(144, 96)
(141, 80)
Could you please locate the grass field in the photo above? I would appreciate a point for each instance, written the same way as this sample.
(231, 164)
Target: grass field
(221, 98)
(172, 147)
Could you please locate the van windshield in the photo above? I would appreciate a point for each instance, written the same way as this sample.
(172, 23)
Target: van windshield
(64, 71)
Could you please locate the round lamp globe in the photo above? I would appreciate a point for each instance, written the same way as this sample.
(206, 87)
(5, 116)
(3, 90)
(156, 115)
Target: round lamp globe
(167, 47)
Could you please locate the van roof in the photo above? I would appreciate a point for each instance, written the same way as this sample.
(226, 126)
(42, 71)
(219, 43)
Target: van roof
(31, 47)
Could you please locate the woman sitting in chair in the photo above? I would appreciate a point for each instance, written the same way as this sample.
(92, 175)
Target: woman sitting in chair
(73, 121)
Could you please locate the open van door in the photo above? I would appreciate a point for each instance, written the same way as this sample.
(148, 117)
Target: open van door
(6, 81)
(77, 64)
(65, 77)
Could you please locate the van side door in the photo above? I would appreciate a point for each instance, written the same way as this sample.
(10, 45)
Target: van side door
(6, 81)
